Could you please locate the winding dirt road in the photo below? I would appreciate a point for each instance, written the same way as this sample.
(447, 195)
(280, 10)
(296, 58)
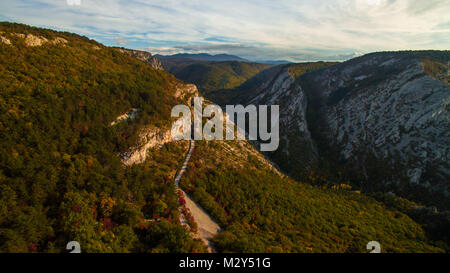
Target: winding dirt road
(207, 227)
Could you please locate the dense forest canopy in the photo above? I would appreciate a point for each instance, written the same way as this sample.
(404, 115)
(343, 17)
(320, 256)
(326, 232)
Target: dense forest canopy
(61, 178)
(262, 211)
(213, 76)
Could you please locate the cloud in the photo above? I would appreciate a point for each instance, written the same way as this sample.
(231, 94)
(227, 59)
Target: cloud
(261, 29)
(120, 41)
(420, 7)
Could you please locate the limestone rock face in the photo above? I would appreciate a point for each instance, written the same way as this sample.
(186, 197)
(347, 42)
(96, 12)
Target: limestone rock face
(386, 104)
(5, 40)
(59, 41)
(296, 145)
(127, 116)
(20, 35)
(33, 41)
(143, 56)
(383, 104)
(152, 137)
(186, 90)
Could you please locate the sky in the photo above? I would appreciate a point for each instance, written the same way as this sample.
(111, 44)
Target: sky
(293, 30)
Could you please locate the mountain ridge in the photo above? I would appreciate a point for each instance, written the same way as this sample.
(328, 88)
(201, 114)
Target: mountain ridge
(333, 85)
(204, 57)
(143, 56)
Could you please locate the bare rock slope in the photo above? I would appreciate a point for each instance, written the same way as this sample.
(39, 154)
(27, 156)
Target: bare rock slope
(389, 107)
(153, 137)
(143, 56)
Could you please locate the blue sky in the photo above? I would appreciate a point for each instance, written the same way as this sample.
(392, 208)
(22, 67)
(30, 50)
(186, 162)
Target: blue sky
(296, 30)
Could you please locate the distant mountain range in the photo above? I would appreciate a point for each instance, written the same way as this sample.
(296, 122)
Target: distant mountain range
(204, 57)
(273, 62)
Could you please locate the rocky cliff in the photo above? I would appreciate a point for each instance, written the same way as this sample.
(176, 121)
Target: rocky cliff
(152, 137)
(279, 87)
(382, 109)
(387, 105)
(29, 39)
(143, 56)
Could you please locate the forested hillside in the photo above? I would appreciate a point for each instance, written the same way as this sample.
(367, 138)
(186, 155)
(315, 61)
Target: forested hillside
(406, 103)
(378, 123)
(61, 178)
(263, 211)
(212, 76)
